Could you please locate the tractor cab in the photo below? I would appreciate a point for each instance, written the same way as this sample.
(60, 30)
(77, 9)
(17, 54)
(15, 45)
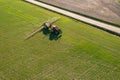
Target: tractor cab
(46, 25)
(55, 30)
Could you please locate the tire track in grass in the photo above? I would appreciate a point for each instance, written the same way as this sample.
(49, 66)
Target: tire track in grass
(38, 56)
(15, 70)
(46, 73)
(15, 61)
(91, 75)
(74, 66)
(86, 71)
(103, 72)
(99, 70)
(53, 70)
(49, 72)
(71, 68)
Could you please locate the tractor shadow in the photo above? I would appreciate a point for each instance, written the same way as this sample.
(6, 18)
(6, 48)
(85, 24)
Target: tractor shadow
(52, 35)
(45, 31)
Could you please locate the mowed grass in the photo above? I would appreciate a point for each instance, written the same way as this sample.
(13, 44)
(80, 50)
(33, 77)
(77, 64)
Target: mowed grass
(82, 53)
(118, 0)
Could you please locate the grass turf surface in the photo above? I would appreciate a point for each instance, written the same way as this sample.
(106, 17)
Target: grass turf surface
(83, 52)
(118, 0)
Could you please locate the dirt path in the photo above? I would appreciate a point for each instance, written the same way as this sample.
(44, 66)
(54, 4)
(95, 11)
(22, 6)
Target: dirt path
(107, 10)
(104, 26)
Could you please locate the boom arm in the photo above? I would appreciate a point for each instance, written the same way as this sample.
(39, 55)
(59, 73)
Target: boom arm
(51, 21)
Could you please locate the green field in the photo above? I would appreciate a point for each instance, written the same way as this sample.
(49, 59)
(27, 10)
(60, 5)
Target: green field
(118, 0)
(82, 53)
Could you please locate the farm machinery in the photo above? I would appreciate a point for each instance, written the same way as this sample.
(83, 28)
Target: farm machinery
(47, 26)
